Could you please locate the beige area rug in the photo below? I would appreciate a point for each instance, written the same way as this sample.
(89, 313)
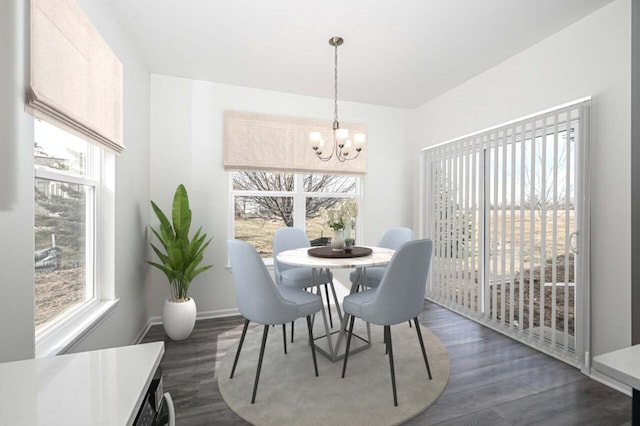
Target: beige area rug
(290, 394)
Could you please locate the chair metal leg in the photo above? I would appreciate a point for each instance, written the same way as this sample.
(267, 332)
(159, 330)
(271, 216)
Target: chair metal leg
(284, 337)
(292, 322)
(326, 293)
(313, 347)
(424, 352)
(235, 361)
(386, 343)
(327, 330)
(387, 332)
(264, 342)
(346, 353)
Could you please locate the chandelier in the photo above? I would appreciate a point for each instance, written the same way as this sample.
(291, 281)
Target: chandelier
(343, 147)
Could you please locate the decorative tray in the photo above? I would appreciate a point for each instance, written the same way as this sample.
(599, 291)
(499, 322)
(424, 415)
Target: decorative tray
(328, 252)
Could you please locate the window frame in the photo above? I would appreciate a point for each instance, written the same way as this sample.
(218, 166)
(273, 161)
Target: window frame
(299, 196)
(65, 331)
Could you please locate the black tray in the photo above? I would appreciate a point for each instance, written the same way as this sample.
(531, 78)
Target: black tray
(341, 254)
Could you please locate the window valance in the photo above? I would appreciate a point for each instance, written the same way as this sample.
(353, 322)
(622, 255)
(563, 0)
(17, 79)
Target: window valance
(270, 142)
(76, 80)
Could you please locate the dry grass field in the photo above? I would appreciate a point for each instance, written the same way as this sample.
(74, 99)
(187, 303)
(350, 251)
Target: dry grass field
(56, 292)
(516, 262)
(259, 232)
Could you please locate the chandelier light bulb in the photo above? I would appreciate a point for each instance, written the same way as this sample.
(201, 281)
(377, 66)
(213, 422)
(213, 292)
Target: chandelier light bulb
(314, 139)
(342, 134)
(346, 148)
(358, 141)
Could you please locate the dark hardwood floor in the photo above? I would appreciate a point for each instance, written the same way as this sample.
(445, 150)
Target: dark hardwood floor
(494, 379)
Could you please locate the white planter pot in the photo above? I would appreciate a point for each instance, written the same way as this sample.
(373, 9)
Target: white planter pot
(178, 318)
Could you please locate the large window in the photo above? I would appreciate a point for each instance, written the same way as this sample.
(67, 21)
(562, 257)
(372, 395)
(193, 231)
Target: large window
(67, 184)
(265, 201)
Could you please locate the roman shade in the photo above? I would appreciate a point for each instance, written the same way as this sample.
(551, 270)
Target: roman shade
(76, 80)
(277, 143)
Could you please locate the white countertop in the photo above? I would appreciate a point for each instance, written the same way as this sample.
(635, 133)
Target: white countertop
(299, 257)
(104, 387)
(622, 365)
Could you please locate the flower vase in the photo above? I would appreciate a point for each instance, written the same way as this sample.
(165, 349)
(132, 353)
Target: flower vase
(337, 242)
(347, 230)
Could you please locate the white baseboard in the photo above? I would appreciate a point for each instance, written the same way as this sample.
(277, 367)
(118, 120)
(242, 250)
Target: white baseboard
(142, 333)
(157, 320)
(220, 313)
(608, 381)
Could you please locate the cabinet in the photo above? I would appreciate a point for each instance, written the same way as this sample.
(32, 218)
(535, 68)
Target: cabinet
(104, 387)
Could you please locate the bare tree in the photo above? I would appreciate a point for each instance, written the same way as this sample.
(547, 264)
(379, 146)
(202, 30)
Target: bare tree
(281, 207)
(554, 192)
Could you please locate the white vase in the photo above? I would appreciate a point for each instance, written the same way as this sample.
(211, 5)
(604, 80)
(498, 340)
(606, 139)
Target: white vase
(337, 242)
(178, 318)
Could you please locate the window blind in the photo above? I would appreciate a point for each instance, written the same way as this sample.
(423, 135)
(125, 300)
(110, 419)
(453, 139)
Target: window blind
(76, 80)
(504, 207)
(277, 143)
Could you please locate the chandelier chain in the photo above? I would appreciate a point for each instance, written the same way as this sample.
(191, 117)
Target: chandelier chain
(335, 88)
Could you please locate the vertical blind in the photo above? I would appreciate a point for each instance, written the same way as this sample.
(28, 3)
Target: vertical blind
(503, 208)
(276, 143)
(76, 80)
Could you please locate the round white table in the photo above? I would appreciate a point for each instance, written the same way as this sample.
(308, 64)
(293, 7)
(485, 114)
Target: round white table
(300, 257)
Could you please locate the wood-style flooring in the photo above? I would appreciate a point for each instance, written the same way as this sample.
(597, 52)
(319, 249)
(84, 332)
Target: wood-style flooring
(494, 379)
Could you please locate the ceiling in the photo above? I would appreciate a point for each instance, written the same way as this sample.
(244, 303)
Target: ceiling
(396, 53)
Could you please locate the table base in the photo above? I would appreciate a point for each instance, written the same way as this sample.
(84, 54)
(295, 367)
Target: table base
(357, 344)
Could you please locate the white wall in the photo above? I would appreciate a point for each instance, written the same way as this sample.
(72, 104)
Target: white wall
(187, 147)
(132, 189)
(591, 57)
(16, 189)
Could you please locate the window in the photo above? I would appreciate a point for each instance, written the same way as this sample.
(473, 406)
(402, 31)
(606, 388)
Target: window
(68, 183)
(265, 201)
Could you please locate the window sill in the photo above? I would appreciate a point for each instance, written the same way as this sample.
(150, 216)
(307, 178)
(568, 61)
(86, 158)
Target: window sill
(62, 337)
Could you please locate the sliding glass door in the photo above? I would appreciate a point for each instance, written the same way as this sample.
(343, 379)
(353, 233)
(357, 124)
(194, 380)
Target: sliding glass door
(506, 211)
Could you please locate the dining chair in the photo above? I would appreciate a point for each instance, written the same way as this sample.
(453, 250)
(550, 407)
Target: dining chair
(289, 238)
(391, 238)
(261, 301)
(398, 298)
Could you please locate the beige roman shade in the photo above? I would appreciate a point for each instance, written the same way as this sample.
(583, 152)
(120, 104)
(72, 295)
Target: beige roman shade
(277, 143)
(76, 80)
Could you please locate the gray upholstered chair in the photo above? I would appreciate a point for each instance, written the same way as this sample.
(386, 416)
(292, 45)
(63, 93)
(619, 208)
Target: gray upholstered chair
(287, 238)
(261, 301)
(392, 238)
(398, 298)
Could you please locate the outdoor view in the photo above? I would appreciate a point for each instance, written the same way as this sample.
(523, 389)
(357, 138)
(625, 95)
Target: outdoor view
(62, 223)
(264, 202)
(529, 218)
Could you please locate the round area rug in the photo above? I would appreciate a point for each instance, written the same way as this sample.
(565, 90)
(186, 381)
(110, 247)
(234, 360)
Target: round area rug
(289, 393)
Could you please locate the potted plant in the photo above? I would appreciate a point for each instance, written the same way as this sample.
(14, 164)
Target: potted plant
(180, 262)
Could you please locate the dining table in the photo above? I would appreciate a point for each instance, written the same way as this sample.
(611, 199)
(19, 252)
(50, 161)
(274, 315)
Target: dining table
(319, 258)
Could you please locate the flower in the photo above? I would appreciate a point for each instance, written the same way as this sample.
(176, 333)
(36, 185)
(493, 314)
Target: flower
(338, 217)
